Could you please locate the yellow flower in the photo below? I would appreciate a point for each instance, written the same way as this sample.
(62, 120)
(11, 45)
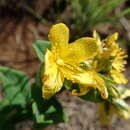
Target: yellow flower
(109, 50)
(117, 55)
(63, 60)
(115, 52)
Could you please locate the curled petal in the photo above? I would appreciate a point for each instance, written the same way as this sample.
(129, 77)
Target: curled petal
(83, 91)
(81, 49)
(52, 78)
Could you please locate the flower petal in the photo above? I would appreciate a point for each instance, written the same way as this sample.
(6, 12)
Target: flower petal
(96, 35)
(118, 77)
(52, 78)
(111, 39)
(77, 74)
(81, 49)
(59, 36)
(119, 60)
(87, 79)
(99, 43)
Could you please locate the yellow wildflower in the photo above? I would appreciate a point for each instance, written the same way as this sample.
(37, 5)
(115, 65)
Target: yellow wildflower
(110, 50)
(117, 55)
(63, 59)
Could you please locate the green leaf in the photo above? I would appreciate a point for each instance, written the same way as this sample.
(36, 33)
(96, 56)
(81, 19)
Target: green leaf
(39, 76)
(48, 112)
(16, 87)
(40, 47)
(12, 114)
(45, 111)
(123, 13)
(86, 14)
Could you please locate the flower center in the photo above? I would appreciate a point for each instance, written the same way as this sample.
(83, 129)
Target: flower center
(60, 62)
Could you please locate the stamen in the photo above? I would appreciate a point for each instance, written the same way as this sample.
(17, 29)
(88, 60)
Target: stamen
(60, 62)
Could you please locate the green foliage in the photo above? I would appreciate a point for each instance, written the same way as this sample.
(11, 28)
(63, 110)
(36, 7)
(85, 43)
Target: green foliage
(48, 112)
(86, 14)
(16, 87)
(12, 114)
(15, 105)
(40, 47)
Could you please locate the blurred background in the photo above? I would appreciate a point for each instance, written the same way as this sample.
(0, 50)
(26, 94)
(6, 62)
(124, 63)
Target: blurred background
(24, 21)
